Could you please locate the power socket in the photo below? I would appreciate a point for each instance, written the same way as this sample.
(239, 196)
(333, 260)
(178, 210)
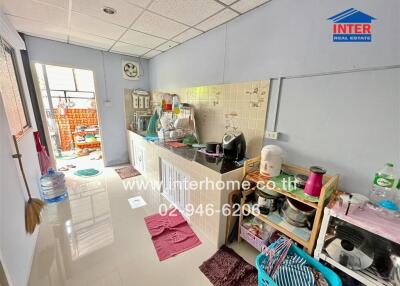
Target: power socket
(272, 135)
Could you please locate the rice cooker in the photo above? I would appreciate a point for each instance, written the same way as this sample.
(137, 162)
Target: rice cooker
(271, 160)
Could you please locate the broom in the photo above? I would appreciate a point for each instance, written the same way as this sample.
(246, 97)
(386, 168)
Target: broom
(33, 207)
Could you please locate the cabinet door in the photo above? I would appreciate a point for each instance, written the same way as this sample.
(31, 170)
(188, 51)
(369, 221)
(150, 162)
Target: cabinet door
(131, 152)
(175, 185)
(138, 153)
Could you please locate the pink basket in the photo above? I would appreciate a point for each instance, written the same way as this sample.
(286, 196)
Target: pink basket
(254, 240)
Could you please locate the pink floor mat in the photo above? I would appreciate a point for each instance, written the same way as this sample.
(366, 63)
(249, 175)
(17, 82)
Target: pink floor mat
(171, 234)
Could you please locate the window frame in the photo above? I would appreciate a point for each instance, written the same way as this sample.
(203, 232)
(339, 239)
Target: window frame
(9, 49)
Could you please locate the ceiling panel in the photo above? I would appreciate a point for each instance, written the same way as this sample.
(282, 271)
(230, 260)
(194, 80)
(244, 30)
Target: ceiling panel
(189, 12)
(95, 26)
(141, 39)
(141, 3)
(151, 54)
(245, 5)
(36, 11)
(129, 49)
(153, 24)
(88, 40)
(216, 20)
(126, 13)
(59, 3)
(228, 2)
(39, 29)
(187, 35)
(166, 46)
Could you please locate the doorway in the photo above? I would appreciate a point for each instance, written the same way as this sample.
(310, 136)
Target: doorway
(69, 113)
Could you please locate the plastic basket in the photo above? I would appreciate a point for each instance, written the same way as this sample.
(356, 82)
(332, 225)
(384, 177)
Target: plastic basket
(265, 280)
(252, 239)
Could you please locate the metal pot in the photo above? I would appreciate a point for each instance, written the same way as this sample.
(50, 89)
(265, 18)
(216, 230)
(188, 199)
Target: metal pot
(296, 213)
(266, 200)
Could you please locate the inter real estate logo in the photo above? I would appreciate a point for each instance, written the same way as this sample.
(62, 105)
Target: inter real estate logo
(352, 26)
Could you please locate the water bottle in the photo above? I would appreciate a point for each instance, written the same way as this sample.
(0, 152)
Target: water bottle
(383, 193)
(52, 186)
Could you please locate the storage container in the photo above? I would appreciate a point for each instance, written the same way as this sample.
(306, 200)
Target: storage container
(265, 280)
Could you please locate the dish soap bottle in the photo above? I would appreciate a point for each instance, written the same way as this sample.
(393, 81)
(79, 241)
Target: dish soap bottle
(382, 193)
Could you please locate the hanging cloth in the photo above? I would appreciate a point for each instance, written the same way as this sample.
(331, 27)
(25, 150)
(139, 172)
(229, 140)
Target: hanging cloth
(44, 159)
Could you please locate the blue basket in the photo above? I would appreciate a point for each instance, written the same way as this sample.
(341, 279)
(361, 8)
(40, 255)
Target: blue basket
(264, 280)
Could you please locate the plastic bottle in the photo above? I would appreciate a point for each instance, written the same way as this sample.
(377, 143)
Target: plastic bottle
(176, 104)
(397, 194)
(52, 186)
(382, 193)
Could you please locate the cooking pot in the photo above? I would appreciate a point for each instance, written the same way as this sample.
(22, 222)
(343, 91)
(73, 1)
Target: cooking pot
(296, 213)
(266, 200)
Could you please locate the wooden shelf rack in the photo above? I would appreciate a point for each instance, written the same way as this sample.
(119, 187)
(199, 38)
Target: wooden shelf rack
(299, 235)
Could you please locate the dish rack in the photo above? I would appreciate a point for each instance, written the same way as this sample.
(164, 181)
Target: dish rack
(301, 235)
(383, 230)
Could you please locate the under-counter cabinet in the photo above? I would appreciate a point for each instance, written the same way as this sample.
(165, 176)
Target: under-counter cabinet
(164, 166)
(175, 187)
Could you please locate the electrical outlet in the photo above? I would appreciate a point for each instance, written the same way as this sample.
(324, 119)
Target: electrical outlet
(272, 135)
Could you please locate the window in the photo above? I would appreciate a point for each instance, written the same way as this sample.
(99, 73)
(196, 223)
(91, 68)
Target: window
(68, 87)
(11, 91)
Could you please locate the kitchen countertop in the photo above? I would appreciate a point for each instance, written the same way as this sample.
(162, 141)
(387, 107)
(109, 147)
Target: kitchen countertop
(220, 165)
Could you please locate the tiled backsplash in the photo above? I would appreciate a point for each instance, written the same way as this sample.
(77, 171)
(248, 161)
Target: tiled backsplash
(248, 100)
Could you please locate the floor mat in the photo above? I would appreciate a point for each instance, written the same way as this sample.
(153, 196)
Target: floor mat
(171, 234)
(226, 268)
(91, 172)
(127, 172)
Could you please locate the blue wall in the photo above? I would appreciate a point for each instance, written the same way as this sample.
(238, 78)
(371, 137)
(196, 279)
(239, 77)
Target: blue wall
(280, 38)
(347, 122)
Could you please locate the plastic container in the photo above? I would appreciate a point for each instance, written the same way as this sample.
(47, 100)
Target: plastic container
(383, 193)
(252, 239)
(176, 104)
(52, 186)
(265, 280)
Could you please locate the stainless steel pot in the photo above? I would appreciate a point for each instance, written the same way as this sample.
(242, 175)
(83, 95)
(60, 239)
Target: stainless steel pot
(296, 213)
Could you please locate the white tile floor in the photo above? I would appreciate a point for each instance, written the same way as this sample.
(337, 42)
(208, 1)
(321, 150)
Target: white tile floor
(95, 238)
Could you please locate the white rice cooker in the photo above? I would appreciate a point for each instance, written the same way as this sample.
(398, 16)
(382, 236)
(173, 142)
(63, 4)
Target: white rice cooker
(271, 160)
